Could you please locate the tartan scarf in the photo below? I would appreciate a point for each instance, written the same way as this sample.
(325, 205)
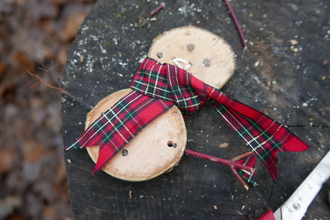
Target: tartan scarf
(156, 88)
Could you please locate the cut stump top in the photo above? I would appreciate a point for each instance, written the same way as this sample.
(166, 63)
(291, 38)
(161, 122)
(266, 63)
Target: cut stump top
(288, 82)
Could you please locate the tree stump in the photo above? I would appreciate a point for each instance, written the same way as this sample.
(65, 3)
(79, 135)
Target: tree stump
(283, 73)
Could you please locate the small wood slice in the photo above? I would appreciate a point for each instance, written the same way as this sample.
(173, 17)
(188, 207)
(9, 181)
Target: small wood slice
(159, 146)
(212, 59)
(156, 149)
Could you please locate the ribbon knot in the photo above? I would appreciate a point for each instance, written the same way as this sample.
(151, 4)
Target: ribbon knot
(169, 83)
(157, 87)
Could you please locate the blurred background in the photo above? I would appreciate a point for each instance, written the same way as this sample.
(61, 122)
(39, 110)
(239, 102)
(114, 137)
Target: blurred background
(34, 35)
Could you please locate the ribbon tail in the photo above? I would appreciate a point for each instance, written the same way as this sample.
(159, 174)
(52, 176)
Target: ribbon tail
(90, 137)
(106, 153)
(294, 144)
(103, 128)
(248, 176)
(262, 134)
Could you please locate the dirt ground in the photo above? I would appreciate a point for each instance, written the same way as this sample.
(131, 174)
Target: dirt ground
(34, 35)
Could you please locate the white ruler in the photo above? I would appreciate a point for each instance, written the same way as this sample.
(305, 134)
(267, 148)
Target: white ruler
(296, 206)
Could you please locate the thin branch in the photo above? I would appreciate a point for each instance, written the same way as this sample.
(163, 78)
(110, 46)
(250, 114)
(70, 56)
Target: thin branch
(156, 10)
(240, 32)
(231, 163)
(42, 82)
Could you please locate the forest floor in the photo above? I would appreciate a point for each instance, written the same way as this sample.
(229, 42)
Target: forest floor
(34, 35)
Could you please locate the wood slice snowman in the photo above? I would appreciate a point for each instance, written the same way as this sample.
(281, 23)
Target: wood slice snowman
(158, 147)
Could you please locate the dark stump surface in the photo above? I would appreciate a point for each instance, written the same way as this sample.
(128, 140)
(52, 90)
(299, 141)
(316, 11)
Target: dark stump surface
(288, 80)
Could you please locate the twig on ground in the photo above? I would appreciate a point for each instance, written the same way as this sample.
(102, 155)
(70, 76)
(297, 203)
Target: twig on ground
(156, 10)
(231, 163)
(42, 82)
(239, 29)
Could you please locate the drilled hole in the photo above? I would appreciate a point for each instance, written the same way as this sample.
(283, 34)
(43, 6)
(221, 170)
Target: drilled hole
(171, 144)
(124, 152)
(160, 55)
(207, 62)
(190, 47)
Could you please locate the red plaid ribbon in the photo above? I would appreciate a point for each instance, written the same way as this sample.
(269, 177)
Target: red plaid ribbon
(157, 87)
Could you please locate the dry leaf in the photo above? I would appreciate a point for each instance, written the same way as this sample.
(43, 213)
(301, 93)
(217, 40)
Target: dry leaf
(72, 25)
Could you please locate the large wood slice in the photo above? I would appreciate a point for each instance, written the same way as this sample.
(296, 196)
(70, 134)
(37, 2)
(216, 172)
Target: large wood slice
(153, 151)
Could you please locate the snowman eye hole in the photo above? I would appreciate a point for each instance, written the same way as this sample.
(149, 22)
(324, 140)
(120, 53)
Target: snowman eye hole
(207, 62)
